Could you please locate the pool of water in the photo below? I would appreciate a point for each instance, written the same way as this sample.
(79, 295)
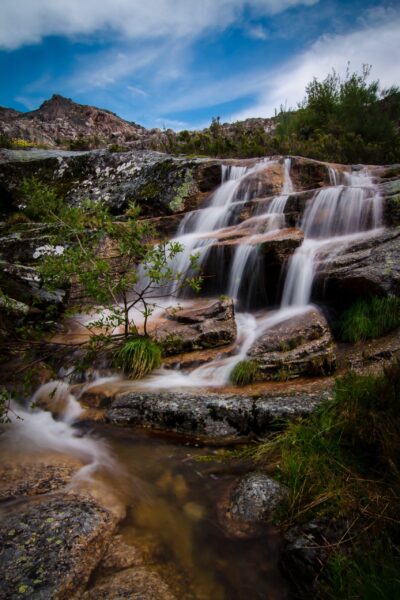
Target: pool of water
(172, 519)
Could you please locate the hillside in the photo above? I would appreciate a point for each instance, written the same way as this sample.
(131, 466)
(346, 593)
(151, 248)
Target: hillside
(61, 122)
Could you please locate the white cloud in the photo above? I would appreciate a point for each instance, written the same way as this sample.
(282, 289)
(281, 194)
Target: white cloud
(136, 91)
(258, 32)
(29, 21)
(375, 43)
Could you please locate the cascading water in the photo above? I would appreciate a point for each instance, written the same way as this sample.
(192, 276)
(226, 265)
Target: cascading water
(246, 255)
(333, 218)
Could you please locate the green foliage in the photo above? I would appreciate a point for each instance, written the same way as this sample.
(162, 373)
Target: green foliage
(42, 202)
(21, 144)
(138, 356)
(368, 319)
(344, 120)
(81, 143)
(238, 141)
(244, 372)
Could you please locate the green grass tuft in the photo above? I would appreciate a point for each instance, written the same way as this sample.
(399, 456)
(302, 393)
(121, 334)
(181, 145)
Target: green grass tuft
(244, 372)
(138, 356)
(369, 319)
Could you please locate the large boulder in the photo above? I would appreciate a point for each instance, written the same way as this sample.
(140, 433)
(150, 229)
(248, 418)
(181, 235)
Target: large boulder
(300, 345)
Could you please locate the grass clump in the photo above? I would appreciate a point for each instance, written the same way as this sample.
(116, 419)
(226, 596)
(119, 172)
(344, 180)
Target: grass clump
(369, 319)
(244, 372)
(138, 356)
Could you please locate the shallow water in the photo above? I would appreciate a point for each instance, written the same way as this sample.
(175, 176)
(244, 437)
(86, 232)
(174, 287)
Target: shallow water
(172, 519)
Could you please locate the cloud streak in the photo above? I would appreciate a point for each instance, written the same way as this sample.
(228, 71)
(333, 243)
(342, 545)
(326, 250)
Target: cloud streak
(29, 21)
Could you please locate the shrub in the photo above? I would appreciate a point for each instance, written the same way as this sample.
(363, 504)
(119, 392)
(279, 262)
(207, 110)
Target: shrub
(42, 202)
(368, 319)
(19, 143)
(244, 372)
(138, 356)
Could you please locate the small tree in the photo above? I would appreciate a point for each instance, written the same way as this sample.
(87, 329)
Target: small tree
(122, 272)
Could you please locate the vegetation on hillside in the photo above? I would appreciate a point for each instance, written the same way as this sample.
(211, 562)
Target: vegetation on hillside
(345, 120)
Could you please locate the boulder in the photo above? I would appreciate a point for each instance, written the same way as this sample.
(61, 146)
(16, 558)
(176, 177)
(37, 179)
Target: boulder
(300, 345)
(249, 505)
(369, 266)
(207, 325)
(256, 497)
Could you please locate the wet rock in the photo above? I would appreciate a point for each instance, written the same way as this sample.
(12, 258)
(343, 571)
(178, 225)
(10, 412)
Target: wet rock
(301, 345)
(260, 279)
(120, 555)
(367, 267)
(207, 325)
(25, 477)
(137, 583)
(49, 547)
(264, 182)
(308, 174)
(194, 413)
(210, 414)
(277, 408)
(255, 498)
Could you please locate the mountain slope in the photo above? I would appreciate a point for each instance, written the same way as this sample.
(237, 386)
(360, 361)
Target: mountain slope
(59, 121)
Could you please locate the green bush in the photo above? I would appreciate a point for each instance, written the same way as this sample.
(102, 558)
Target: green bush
(138, 356)
(244, 372)
(368, 319)
(42, 202)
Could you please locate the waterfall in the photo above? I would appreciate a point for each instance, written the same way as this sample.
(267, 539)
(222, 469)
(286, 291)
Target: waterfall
(245, 258)
(337, 215)
(332, 219)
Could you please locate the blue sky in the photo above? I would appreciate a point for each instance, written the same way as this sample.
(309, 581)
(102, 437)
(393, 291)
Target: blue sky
(178, 63)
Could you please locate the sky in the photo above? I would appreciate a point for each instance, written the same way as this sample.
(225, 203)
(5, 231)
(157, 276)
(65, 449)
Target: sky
(178, 63)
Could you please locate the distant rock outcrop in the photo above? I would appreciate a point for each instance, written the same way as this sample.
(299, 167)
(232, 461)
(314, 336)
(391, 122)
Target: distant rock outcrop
(60, 122)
